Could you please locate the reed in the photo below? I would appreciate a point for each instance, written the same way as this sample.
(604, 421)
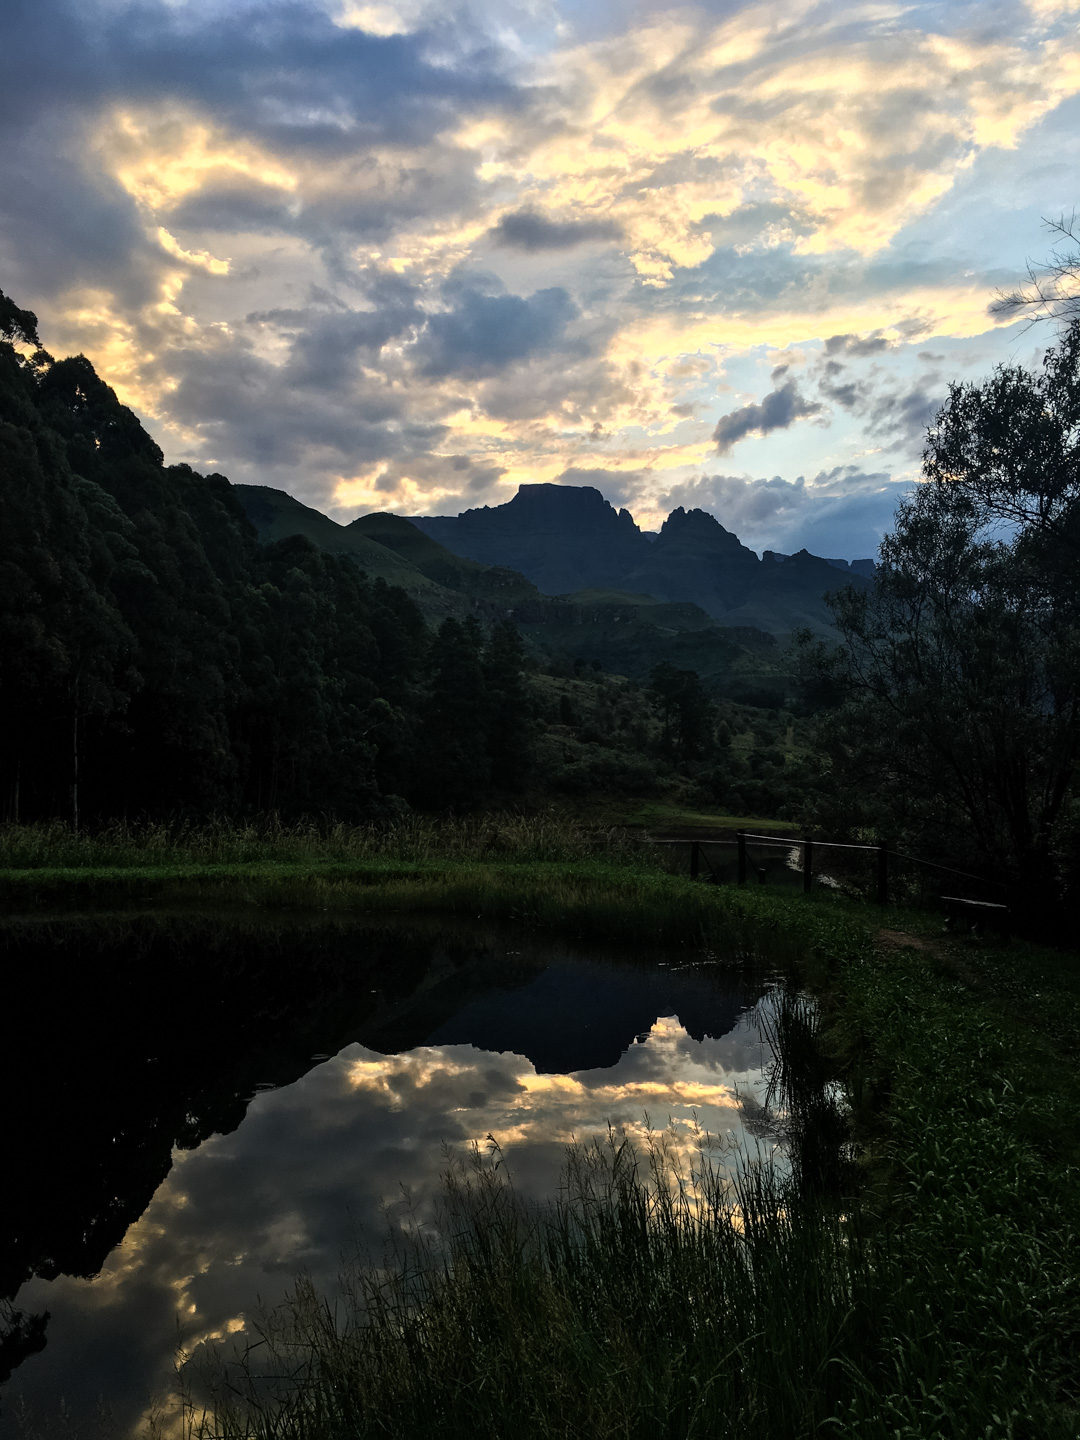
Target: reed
(268, 839)
(647, 1302)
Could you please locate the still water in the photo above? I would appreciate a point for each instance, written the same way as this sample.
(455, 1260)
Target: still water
(206, 1106)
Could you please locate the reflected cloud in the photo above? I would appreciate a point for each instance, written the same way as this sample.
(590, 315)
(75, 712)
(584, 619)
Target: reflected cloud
(328, 1162)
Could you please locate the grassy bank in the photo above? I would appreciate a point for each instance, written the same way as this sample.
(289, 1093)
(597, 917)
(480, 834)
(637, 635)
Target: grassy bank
(226, 842)
(934, 1294)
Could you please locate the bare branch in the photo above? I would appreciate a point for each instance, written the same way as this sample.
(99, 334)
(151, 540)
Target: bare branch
(1052, 291)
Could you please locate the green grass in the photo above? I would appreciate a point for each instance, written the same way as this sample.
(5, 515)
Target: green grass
(54, 845)
(548, 870)
(662, 818)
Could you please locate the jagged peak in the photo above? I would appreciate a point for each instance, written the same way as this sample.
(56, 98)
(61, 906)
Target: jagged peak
(683, 524)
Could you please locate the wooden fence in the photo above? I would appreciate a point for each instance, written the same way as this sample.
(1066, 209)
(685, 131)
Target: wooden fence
(883, 859)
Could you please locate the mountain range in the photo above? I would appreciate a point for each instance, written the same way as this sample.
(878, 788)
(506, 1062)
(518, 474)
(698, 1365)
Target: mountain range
(582, 581)
(568, 538)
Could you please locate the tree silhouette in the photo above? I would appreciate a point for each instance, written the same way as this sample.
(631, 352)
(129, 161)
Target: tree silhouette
(686, 713)
(962, 666)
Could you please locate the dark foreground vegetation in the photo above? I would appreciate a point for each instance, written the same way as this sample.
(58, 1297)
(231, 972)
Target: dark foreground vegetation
(156, 660)
(954, 713)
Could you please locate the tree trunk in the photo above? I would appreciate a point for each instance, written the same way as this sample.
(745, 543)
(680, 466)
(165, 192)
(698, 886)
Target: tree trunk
(75, 773)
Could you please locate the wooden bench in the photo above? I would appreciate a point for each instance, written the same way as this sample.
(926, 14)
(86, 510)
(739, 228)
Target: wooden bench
(976, 914)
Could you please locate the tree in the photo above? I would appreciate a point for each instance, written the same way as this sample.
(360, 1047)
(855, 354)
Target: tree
(686, 712)
(509, 722)
(452, 765)
(961, 669)
(154, 658)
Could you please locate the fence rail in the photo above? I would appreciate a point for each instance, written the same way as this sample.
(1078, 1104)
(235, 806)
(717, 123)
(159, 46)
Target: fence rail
(883, 855)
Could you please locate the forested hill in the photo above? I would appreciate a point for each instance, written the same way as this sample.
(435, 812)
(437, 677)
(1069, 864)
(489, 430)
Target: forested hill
(628, 633)
(155, 657)
(567, 538)
(390, 548)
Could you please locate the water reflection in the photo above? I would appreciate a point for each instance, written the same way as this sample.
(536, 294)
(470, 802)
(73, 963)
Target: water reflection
(436, 1039)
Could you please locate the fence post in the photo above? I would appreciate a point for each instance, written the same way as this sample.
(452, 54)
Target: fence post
(740, 836)
(807, 865)
(695, 859)
(883, 875)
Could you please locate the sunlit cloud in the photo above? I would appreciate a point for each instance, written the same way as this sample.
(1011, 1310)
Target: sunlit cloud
(525, 240)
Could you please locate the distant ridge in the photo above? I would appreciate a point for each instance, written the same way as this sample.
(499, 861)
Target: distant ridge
(388, 547)
(568, 538)
(561, 537)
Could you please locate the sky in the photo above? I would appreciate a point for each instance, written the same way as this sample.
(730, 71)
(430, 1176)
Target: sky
(407, 255)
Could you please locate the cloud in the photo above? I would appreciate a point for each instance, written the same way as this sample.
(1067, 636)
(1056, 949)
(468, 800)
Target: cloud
(285, 70)
(617, 486)
(353, 1152)
(903, 416)
(648, 190)
(483, 332)
(531, 231)
(776, 412)
(858, 344)
(841, 514)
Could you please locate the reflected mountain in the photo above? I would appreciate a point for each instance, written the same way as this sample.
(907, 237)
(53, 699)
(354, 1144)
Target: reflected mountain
(584, 1015)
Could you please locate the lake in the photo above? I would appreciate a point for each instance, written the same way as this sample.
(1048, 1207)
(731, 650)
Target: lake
(203, 1106)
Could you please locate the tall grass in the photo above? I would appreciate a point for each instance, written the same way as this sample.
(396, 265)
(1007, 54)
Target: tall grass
(646, 1302)
(227, 841)
(663, 1298)
(642, 1305)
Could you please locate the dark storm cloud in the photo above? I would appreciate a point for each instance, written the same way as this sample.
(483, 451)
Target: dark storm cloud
(906, 414)
(64, 225)
(374, 198)
(858, 344)
(896, 415)
(240, 406)
(327, 345)
(531, 231)
(243, 205)
(285, 71)
(620, 487)
(776, 412)
(282, 73)
(483, 333)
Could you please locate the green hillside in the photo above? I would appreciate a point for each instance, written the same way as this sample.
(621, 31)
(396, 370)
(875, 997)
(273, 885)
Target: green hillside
(486, 584)
(277, 515)
(630, 635)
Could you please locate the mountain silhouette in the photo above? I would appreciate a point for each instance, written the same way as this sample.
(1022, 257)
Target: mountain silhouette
(580, 580)
(567, 539)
